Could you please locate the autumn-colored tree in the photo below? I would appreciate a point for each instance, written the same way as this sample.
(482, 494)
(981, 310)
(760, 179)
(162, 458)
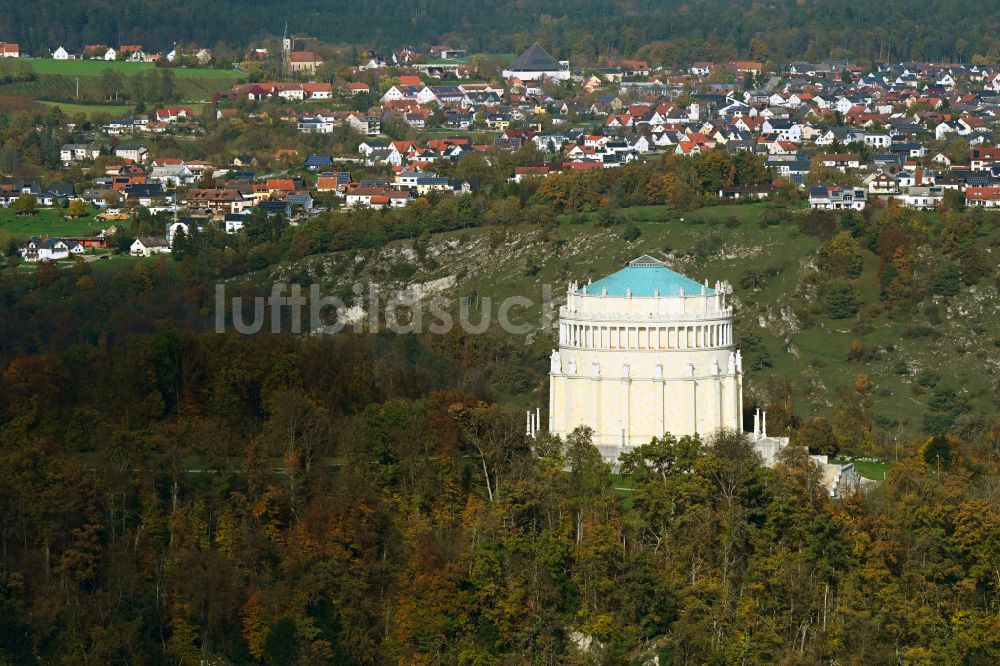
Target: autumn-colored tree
(817, 435)
(77, 208)
(841, 257)
(670, 189)
(25, 204)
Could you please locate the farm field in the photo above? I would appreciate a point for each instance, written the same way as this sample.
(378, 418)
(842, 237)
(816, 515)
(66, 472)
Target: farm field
(90, 109)
(96, 67)
(55, 87)
(79, 81)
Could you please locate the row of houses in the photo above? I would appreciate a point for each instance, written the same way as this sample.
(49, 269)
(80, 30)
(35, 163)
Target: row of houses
(57, 249)
(129, 53)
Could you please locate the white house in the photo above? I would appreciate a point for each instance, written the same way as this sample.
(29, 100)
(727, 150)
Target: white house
(131, 151)
(878, 140)
(147, 246)
(77, 152)
(986, 197)
(922, 197)
(60, 54)
(46, 249)
(942, 130)
(837, 198)
(841, 161)
(172, 175)
(375, 197)
(882, 183)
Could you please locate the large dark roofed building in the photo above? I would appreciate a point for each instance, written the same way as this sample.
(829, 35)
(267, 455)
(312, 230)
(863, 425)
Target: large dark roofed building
(535, 59)
(537, 63)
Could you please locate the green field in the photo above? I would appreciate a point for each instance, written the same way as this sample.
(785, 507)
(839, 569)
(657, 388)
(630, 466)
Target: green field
(111, 109)
(867, 469)
(506, 57)
(64, 87)
(46, 222)
(96, 67)
(79, 81)
(90, 109)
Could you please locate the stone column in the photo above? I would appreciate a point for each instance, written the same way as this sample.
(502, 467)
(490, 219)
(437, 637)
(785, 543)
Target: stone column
(660, 400)
(694, 406)
(595, 391)
(568, 415)
(627, 405)
(553, 379)
(721, 407)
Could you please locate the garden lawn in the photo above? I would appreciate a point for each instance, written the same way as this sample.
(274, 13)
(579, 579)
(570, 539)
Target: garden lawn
(46, 222)
(867, 469)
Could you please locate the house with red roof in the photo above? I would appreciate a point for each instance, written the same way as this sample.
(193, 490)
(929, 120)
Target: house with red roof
(304, 62)
(688, 148)
(984, 197)
(981, 159)
(173, 113)
(317, 91)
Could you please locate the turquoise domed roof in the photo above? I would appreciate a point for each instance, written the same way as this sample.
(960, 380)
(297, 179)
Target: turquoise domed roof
(646, 276)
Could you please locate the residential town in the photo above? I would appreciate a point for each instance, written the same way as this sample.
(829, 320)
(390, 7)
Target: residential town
(842, 135)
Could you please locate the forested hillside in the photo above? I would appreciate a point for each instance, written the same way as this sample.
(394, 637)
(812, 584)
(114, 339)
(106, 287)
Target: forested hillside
(582, 30)
(182, 498)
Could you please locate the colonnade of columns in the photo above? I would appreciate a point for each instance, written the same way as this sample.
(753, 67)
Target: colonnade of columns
(688, 336)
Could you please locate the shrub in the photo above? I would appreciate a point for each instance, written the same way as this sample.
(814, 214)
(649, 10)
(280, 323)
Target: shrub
(752, 279)
(918, 331)
(928, 379)
(938, 447)
(631, 233)
(708, 245)
(946, 280)
(841, 301)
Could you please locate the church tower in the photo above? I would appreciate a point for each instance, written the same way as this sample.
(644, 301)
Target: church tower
(642, 352)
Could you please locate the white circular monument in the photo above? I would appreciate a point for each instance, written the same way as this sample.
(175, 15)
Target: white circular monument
(642, 352)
